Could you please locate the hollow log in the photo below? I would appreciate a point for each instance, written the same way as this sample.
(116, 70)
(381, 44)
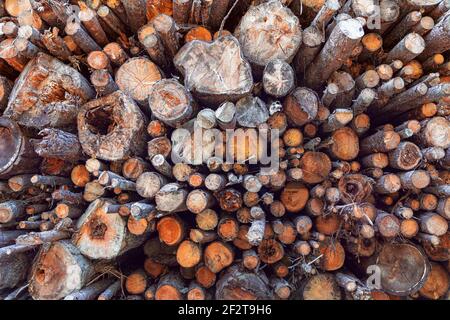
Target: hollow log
(112, 127)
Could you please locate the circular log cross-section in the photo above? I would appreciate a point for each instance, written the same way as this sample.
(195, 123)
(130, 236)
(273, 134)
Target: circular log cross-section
(269, 31)
(111, 127)
(315, 166)
(301, 106)
(216, 71)
(136, 78)
(171, 103)
(407, 258)
(278, 78)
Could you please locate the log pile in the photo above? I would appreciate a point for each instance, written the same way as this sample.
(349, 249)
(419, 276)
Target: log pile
(103, 195)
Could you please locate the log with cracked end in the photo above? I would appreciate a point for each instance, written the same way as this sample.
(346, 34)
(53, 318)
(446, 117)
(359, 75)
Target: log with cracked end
(224, 74)
(112, 127)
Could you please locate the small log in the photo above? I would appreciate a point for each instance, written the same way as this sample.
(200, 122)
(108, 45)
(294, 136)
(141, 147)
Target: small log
(316, 166)
(230, 200)
(135, 13)
(171, 198)
(173, 112)
(413, 180)
(406, 50)
(278, 78)
(91, 292)
(199, 200)
(387, 184)
(116, 54)
(433, 224)
(150, 39)
(189, 254)
(207, 220)
(110, 291)
(167, 30)
(12, 210)
(270, 251)
(406, 156)
(170, 287)
(81, 37)
(218, 255)
(301, 106)
(437, 40)
(435, 132)
(88, 17)
(382, 141)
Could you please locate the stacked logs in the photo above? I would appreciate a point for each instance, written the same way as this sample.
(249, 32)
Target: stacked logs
(106, 195)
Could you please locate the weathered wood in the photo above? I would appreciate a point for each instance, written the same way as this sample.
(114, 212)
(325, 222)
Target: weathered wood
(18, 155)
(57, 106)
(104, 236)
(344, 38)
(50, 276)
(136, 78)
(279, 29)
(224, 74)
(171, 103)
(111, 127)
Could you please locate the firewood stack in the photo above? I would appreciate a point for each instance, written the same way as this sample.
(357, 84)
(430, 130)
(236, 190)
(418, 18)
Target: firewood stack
(96, 99)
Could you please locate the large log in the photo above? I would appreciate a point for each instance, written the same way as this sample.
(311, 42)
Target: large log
(269, 31)
(112, 127)
(104, 235)
(48, 93)
(17, 154)
(58, 270)
(240, 284)
(223, 75)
